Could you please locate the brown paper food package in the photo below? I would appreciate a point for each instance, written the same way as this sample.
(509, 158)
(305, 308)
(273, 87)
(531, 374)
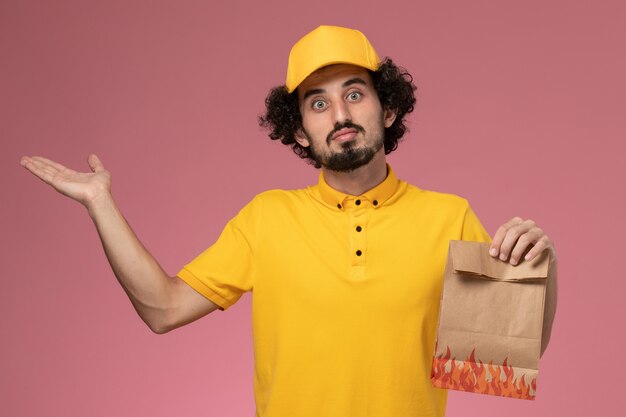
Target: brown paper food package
(490, 323)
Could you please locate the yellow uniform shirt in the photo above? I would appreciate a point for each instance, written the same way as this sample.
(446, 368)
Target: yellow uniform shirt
(345, 295)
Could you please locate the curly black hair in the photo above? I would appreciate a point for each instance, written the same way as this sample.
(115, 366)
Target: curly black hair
(396, 92)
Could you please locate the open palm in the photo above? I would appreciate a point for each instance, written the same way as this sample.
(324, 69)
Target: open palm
(83, 187)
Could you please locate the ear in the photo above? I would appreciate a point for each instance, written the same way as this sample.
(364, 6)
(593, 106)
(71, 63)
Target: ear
(389, 117)
(301, 138)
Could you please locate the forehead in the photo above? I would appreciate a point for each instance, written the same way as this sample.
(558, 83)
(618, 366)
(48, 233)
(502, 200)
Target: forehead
(333, 76)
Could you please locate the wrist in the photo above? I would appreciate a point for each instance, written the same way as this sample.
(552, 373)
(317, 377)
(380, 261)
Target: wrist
(99, 202)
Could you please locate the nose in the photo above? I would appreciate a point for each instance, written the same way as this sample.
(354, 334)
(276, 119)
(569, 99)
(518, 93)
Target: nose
(342, 112)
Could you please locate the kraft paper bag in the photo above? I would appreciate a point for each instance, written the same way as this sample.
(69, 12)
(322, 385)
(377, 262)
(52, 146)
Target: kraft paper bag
(490, 323)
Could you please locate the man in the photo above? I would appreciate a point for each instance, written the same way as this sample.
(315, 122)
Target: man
(346, 275)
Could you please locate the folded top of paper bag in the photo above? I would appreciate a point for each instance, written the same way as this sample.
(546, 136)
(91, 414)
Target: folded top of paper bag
(473, 258)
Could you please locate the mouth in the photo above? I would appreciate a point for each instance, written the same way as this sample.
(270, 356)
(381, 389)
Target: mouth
(344, 135)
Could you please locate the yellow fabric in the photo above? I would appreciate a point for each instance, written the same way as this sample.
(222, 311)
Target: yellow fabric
(337, 334)
(328, 45)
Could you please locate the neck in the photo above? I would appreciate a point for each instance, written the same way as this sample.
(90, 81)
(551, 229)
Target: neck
(360, 180)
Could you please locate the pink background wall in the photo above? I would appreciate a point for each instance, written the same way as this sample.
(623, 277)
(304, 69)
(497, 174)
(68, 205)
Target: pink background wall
(521, 110)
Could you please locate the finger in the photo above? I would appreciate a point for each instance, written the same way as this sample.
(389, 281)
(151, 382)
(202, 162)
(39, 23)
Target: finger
(54, 168)
(498, 238)
(45, 161)
(524, 243)
(27, 162)
(94, 163)
(541, 245)
(24, 160)
(48, 171)
(37, 166)
(39, 170)
(45, 167)
(512, 235)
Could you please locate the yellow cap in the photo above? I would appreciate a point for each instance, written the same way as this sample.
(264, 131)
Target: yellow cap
(328, 45)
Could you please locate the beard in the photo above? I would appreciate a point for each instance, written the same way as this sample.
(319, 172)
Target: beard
(350, 157)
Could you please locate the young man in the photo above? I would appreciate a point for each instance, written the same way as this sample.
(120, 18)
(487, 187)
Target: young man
(346, 275)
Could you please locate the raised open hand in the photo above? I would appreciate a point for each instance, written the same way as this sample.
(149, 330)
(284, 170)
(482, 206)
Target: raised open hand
(84, 187)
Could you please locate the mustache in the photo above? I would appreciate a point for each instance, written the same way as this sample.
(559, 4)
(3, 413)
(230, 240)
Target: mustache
(345, 125)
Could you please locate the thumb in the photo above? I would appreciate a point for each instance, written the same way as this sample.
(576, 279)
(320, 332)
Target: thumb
(94, 163)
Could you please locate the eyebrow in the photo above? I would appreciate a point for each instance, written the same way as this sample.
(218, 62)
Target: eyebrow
(309, 93)
(355, 80)
(351, 81)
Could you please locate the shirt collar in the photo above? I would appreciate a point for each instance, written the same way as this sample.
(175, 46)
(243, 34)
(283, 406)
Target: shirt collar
(377, 195)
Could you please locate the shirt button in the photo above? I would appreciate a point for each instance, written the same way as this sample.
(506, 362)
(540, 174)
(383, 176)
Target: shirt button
(358, 228)
(358, 202)
(358, 253)
(375, 202)
(338, 206)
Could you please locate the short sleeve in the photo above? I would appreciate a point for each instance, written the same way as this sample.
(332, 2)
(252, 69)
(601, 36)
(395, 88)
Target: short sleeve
(225, 271)
(473, 230)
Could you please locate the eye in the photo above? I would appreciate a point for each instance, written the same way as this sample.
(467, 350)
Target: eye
(318, 104)
(354, 96)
